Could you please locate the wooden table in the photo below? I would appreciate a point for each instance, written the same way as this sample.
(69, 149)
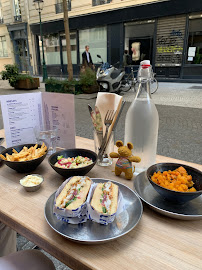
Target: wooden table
(157, 242)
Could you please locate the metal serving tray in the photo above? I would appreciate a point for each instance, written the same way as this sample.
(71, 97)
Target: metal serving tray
(92, 232)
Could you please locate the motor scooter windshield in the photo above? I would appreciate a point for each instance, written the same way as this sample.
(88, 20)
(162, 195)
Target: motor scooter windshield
(104, 66)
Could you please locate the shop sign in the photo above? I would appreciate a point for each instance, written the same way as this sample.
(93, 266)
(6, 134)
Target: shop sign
(170, 41)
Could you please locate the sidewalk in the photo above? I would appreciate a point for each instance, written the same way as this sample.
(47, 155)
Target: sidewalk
(168, 93)
(6, 89)
(175, 94)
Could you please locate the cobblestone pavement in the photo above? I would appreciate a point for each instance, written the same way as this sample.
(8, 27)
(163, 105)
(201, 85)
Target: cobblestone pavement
(175, 94)
(180, 113)
(180, 130)
(6, 89)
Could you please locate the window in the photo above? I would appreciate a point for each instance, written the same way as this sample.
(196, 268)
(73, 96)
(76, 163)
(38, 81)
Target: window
(96, 38)
(59, 6)
(3, 47)
(73, 48)
(19, 34)
(194, 52)
(51, 49)
(17, 10)
(1, 14)
(100, 2)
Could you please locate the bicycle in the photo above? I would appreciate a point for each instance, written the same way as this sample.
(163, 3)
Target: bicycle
(131, 83)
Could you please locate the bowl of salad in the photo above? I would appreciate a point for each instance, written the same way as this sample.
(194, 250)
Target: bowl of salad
(70, 162)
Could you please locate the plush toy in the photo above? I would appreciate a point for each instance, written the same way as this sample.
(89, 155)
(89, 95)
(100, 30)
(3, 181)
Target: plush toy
(125, 159)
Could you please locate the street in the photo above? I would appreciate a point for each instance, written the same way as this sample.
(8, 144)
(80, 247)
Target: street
(180, 114)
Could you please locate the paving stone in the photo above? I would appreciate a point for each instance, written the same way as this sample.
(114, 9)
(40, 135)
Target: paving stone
(179, 126)
(21, 242)
(86, 96)
(175, 94)
(58, 264)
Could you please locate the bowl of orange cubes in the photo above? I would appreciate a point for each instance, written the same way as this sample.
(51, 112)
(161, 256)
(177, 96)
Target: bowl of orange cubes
(175, 182)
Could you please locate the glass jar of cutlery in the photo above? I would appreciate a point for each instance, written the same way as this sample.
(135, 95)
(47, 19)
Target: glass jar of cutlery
(103, 157)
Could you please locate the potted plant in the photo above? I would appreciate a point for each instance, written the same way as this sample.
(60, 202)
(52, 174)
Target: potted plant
(60, 86)
(88, 81)
(86, 84)
(19, 81)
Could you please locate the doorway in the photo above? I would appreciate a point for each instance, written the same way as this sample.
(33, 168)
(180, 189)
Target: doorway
(140, 49)
(138, 41)
(22, 56)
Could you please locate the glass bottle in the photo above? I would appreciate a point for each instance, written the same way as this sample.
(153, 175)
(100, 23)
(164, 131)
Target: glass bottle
(142, 121)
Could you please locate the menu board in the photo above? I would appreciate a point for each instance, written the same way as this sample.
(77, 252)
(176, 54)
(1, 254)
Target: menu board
(22, 113)
(170, 41)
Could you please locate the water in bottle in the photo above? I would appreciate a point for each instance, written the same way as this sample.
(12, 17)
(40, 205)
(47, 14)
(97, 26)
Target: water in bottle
(142, 121)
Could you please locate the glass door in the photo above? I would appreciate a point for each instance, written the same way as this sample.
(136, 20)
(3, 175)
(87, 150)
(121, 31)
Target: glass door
(141, 49)
(22, 53)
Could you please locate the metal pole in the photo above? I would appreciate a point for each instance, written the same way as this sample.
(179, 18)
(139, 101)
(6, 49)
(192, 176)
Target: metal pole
(67, 35)
(45, 75)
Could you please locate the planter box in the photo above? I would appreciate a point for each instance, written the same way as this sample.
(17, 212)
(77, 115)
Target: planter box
(59, 88)
(90, 89)
(74, 89)
(28, 84)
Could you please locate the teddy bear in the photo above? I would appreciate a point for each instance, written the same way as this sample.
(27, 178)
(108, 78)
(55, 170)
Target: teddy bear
(125, 159)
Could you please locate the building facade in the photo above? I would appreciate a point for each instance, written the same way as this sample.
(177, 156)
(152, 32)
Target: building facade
(169, 33)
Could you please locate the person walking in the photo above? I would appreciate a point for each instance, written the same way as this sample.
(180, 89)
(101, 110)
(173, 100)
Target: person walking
(126, 59)
(87, 59)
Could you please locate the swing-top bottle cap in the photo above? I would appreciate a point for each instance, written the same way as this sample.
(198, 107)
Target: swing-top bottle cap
(144, 71)
(145, 64)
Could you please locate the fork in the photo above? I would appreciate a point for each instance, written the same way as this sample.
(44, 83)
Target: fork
(107, 121)
(114, 126)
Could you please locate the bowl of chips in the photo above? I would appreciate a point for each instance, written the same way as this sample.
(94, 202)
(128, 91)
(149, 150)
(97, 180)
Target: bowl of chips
(24, 158)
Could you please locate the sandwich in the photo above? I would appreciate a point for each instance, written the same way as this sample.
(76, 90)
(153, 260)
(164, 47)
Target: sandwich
(105, 198)
(75, 193)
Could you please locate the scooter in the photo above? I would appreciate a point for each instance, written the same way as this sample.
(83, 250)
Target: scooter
(109, 78)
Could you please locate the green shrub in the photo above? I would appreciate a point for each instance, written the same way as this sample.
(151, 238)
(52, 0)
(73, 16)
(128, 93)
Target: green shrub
(86, 84)
(11, 74)
(88, 77)
(24, 77)
(88, 81)
(60, 86)
(53, 81)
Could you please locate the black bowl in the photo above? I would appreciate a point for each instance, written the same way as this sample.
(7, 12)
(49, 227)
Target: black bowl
(1, 149)
(172, 195)
(22, 166)
(73, 153)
